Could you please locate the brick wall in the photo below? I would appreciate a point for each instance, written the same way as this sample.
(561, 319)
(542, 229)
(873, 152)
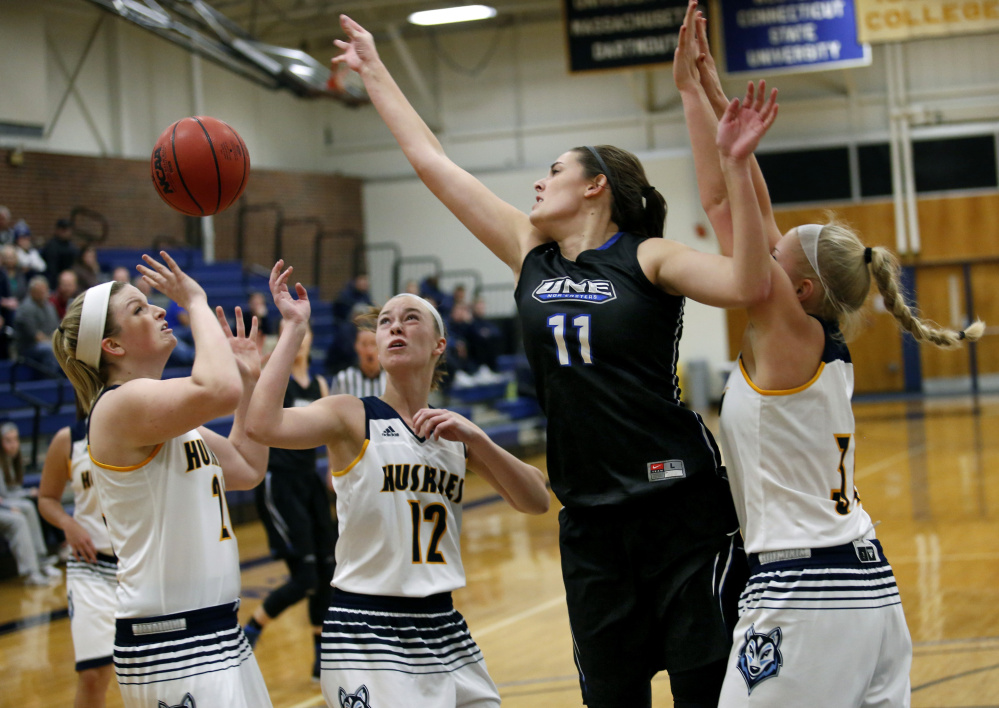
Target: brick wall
(48, 186)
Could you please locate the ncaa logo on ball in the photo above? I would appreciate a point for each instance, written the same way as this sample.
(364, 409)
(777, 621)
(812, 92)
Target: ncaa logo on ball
(160, 173)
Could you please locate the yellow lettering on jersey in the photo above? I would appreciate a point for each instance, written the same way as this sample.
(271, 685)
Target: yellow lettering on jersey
(452, 481)
(414, 483)
(192, 454)
(85, 480)
(401, 476)
(839, 495)
(429, 480)
(206, 457)
(389, 484)
(461, 491)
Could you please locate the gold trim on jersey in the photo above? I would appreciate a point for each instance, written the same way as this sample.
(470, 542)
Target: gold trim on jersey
(357, 459)
(781, 392)
(126, 469)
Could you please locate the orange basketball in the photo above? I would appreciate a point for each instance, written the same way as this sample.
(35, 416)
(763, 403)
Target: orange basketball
(200, 166)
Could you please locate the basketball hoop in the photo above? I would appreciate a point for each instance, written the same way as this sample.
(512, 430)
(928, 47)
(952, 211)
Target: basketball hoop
(346, 85)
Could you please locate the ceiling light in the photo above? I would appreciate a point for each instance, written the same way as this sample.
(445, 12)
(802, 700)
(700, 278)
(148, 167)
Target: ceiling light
(447, 15)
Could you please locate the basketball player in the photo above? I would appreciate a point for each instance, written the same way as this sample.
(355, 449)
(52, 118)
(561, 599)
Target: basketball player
(821, 614)
(392, 636)
(90, 571)
(601, 298)
(161, 479)
(295, 509)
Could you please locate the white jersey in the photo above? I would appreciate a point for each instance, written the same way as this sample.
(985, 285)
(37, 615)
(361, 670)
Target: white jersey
(399, 511)
(170, 528)
(790, 457)
(86, 505)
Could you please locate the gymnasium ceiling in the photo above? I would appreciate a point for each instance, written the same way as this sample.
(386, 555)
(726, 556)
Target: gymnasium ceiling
(312, 24)
(274, 42)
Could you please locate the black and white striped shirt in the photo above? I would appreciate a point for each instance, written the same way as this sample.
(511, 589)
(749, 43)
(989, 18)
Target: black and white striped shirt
(352, 381)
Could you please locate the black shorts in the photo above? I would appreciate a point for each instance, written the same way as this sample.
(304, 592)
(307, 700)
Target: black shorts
(645, 593)
(295, 509)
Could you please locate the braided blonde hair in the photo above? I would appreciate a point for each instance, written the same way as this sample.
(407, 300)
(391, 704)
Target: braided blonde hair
(847, 267)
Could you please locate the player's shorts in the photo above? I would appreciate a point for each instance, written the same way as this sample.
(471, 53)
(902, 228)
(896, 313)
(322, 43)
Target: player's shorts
(202, 654)
(397, 651)
(827, 623)
(645, 593)
(90, 594)
(295, 510)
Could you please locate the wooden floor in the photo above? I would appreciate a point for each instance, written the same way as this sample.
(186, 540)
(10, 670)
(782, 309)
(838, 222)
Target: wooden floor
(929, 471)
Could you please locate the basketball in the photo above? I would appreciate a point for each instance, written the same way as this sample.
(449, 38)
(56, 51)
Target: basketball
(200, 166)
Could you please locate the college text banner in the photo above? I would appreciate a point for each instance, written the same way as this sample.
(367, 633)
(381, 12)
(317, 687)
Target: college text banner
(893, 20)
(779, 36)
(615, 34)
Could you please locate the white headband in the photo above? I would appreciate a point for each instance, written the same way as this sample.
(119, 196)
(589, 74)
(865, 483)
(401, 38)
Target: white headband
(92, 321)
(808, 234)
(429, 305)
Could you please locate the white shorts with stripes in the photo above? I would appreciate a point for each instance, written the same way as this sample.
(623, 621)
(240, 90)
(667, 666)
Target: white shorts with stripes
(198, 658)
(391, 651)
(90, 593)
(829, 626)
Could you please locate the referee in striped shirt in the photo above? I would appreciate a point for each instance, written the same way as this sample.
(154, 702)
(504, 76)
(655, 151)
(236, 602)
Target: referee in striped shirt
(365, 378)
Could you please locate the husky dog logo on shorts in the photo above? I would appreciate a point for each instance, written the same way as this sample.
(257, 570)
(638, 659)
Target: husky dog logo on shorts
(357, 699)
(188, 702)
(760, 658)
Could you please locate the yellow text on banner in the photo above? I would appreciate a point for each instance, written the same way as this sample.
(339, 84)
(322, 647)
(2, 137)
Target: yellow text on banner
(894, 20)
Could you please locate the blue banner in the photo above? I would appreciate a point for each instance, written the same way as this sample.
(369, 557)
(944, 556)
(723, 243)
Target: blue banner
(780, 36)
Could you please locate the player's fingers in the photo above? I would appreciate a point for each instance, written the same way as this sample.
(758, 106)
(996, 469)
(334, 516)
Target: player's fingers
(171, 263)
(240, 327)
(223, 321)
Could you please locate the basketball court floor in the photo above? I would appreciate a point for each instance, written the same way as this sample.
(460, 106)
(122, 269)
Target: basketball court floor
(928, 470)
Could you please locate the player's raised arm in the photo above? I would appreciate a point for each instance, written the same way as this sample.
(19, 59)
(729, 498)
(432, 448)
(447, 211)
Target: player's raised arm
(502, 228)
(267, 420)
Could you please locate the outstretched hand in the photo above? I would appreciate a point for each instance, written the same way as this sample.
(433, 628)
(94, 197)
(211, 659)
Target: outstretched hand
(170, 280)
(707, 71)
(359, 48)
(295, 311)
(685, 70)
(244, 345)
(744, 124)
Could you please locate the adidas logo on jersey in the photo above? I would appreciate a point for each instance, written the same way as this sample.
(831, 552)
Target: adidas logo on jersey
(556, 289)
(389, 432)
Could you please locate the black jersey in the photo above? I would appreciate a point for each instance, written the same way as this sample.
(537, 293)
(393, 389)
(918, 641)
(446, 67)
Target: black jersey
(602, 342)
(291, 461)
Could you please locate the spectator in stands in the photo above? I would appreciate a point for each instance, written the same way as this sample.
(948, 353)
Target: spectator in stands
(6, 226)
(29, 260)
(354, 293)
(17, 283)
(35, 322)
(67, 287)
(153, 296)
(12, 286)
(121, 274)
(460, 366)
(485, 338)
(256, 304)
(430, 290)
(179, 321)
(19, 520)
(88, 269)
(365, 377)
(59, 251)
(412, 287)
